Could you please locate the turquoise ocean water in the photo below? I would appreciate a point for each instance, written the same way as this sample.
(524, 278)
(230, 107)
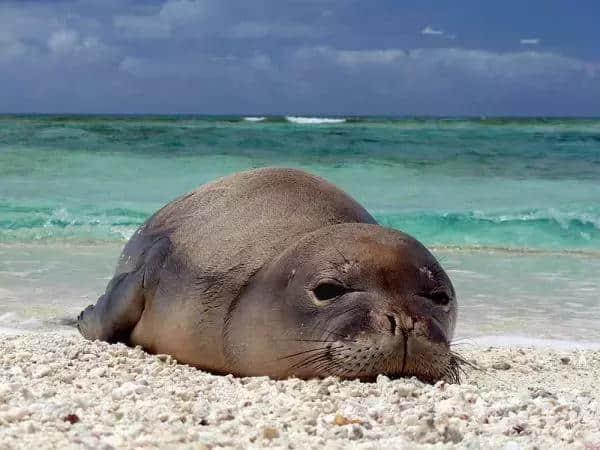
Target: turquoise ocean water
(511, 206)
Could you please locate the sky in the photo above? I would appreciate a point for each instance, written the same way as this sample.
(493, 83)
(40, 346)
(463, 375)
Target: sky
(309, 57)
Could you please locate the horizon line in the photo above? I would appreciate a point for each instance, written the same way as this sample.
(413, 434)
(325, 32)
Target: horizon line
(311, 115)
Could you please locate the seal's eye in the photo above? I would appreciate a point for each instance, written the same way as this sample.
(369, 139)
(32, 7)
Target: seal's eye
(441, 298)
(328, 290)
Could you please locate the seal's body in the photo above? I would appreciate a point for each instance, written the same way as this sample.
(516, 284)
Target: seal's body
(278, 272)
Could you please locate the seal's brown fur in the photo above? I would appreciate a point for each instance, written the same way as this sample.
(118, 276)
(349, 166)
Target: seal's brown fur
(208, 279)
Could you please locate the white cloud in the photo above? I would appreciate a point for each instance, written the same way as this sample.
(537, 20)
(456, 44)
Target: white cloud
(32, 35)
(69, 42)
(204, 17)
(432, 31)
(230, 67)
(248, 30)
(142, 26)
(444, 80)
(64, 41)
(163, 24)
(261, 62)
(359, 57)
(480, 63)
(26, 24)
(530, 41)
(71, 48)
(11, 48)
(181, 11)
(226, 58)
(140, 67)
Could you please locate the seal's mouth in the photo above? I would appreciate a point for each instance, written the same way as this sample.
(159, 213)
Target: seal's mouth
(419, 357)
(392, 343)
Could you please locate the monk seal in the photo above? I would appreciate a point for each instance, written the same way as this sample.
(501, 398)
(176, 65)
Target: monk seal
(278, 272)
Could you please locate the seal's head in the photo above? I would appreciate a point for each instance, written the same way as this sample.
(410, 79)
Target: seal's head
(350, 300)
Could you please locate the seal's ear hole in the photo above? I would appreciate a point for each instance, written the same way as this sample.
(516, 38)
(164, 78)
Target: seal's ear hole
(328, 290)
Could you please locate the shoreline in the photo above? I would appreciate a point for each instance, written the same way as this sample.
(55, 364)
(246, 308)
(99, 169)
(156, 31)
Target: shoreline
(58, 390)
(470, 343)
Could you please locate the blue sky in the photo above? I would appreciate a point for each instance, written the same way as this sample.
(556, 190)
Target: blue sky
(301, 57)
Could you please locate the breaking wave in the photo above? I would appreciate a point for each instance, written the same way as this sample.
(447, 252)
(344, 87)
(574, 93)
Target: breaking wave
(544, 229)
(536, 229)
(313, 120)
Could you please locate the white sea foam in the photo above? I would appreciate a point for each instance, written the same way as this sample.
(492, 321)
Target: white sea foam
(124, 232)
(254, 119)
(312, 120)
(11, 321)
(561, 217)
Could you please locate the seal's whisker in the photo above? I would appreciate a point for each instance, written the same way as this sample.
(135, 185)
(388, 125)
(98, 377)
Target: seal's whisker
(326, 365)
(311, 363)
(460, 344)
(325, 361)
(461, 360)
(372, 366)
(333, 369)
(336, 369)
(456, 367)
(336, 364)
(320, 349)
(309, 351)
(311, 359)
(461, 340)
(454, 370)
(361, 367)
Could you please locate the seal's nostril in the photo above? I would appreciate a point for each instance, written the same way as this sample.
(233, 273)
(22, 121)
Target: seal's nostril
(393, 325)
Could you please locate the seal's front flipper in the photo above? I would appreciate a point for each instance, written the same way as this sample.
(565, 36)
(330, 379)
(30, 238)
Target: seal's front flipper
(116, 312)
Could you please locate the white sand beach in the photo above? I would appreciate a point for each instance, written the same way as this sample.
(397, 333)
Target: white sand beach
(59, 391)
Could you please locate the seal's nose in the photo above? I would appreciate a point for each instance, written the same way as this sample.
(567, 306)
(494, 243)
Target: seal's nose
(399, 324)
(393, 323)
